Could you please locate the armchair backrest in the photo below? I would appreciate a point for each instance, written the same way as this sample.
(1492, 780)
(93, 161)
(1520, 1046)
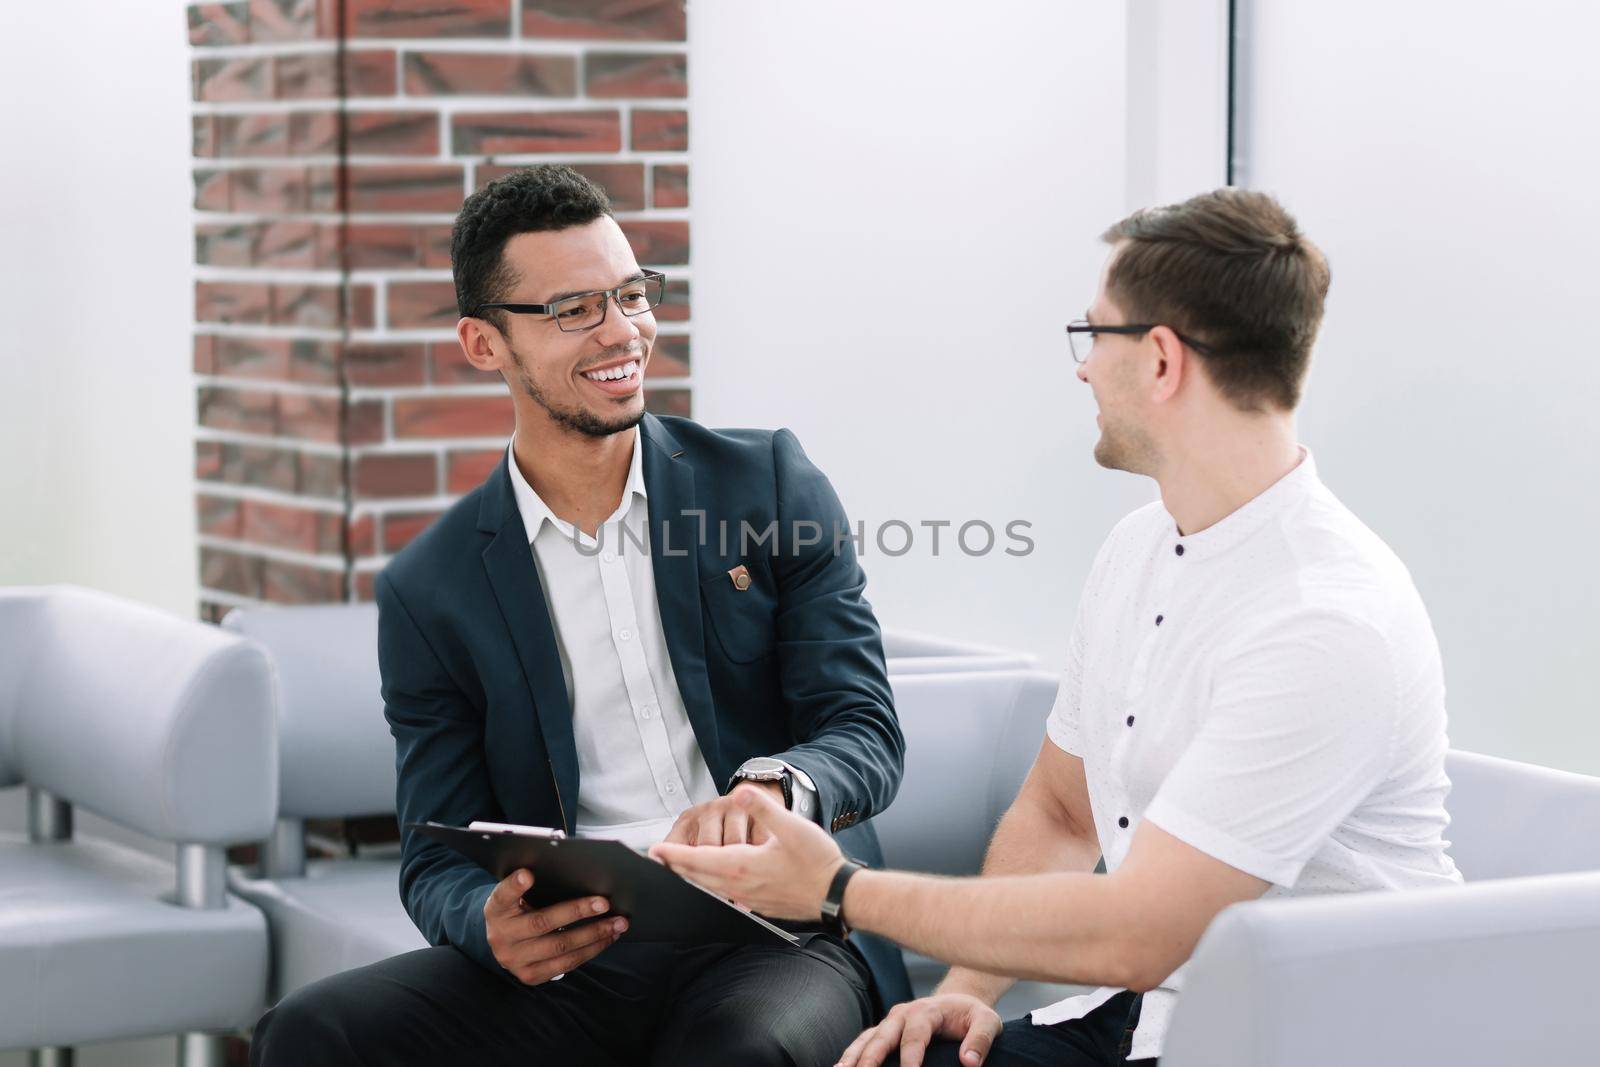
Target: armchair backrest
(909, 652)
(1509, 819)
(336, 755)
(1280, 981)
(970, 739)
(161, 724)
(20, 610)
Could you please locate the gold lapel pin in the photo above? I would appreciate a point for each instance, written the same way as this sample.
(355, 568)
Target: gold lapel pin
(741, 577)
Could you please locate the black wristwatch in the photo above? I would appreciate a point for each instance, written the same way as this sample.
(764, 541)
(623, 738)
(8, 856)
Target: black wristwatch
(833, 903)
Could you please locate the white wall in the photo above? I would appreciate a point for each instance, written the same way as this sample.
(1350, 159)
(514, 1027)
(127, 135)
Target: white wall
(1445, 156)
(896, 211)
(96, 403)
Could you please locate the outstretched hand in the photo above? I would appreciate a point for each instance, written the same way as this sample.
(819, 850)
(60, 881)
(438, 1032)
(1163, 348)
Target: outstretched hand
(785, 877)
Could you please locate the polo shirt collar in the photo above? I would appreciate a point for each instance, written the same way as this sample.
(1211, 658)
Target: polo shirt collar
(1237, 526)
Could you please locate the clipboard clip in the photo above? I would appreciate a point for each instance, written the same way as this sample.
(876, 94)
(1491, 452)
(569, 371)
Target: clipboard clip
(518, 830)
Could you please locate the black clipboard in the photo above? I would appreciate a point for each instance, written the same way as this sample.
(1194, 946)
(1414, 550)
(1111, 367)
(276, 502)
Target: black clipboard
(659, 904)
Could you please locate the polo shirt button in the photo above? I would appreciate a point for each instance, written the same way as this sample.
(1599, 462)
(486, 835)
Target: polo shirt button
(626, 635)
(1130, 720)
(1159, 618)
(1178, 549)
(1123, 822)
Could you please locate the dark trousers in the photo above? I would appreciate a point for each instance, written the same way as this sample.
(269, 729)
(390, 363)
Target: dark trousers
(1099, 1039)
(632, 1004)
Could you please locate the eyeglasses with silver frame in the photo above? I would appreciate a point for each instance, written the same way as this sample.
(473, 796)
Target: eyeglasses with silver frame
(585, 311)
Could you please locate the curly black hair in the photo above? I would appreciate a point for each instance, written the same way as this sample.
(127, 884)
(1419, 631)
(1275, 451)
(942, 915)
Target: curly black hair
(546, 197)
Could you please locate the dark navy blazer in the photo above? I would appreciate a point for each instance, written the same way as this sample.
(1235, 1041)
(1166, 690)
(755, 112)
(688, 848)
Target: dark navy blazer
(791, 666)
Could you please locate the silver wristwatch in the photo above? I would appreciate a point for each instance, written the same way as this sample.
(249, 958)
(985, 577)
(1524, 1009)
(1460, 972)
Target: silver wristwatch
(799, 794)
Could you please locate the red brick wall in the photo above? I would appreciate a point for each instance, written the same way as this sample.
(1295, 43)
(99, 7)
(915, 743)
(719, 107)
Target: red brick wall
(334, 141)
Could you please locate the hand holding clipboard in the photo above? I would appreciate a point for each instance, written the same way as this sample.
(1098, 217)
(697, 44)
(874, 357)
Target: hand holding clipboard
(658, 904)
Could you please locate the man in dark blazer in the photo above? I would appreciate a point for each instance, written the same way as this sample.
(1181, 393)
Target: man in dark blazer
(632, 617)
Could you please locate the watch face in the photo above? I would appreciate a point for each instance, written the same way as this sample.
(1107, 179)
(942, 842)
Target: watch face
(763, 765)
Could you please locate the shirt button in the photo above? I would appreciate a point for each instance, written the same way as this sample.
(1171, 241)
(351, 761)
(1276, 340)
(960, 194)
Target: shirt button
(1123, 822)
(646, 711)
(1178, 549)
(1130, 720)
(1159, 618)
(626, 635)
(610, 557)
(672, 787)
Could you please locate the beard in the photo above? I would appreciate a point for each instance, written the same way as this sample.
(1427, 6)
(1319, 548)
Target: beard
(577, 419)
(1124, 448)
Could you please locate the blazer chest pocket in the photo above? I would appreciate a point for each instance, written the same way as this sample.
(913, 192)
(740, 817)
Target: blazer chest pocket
(741, 618)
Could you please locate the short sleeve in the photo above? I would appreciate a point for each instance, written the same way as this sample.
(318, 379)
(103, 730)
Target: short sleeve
(1298, 733)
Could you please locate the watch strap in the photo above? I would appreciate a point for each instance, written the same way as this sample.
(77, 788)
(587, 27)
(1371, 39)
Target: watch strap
(833, 904)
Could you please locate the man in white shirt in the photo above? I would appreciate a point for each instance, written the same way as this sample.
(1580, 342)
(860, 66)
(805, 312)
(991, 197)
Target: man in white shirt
(1253, 703)
(621, 627)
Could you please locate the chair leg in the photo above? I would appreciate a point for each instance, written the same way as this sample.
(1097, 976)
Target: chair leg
(201, 1050)
(50, 1057)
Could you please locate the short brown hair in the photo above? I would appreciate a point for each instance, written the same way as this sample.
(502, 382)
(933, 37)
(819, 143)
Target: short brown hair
(1230, 269)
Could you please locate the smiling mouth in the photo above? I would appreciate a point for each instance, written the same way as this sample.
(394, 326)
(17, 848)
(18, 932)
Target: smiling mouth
(622, 380)
(619, 373)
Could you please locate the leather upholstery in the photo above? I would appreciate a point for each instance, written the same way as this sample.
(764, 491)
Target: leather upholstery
(92, 947)
(1511, 819)
(910, 652)
(1499, 971)
(161, 724)
(336, 757)
(342, 914)
(971, 737)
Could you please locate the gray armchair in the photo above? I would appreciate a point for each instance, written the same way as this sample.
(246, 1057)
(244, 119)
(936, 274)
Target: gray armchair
(162, 726)
(1499, 971)
(336, 760)
(971, 737)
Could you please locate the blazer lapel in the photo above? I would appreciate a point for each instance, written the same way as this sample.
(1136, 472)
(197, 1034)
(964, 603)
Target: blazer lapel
(675, 532)
(508, 560)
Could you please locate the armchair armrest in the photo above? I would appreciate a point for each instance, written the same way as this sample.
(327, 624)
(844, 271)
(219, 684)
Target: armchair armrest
(163, 725)
(1483, 974)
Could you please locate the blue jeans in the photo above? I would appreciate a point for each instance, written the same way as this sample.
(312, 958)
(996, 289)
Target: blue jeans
(1100, 1039)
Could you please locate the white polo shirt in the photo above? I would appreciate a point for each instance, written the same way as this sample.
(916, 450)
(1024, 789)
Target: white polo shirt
(1267, 690)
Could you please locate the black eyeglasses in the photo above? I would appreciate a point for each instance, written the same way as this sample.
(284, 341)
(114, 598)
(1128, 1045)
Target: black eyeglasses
(588, 310)
(1080, 337)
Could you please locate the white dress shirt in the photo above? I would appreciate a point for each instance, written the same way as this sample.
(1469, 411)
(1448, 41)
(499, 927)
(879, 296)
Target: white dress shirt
(1267, 690)
(639, 764)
